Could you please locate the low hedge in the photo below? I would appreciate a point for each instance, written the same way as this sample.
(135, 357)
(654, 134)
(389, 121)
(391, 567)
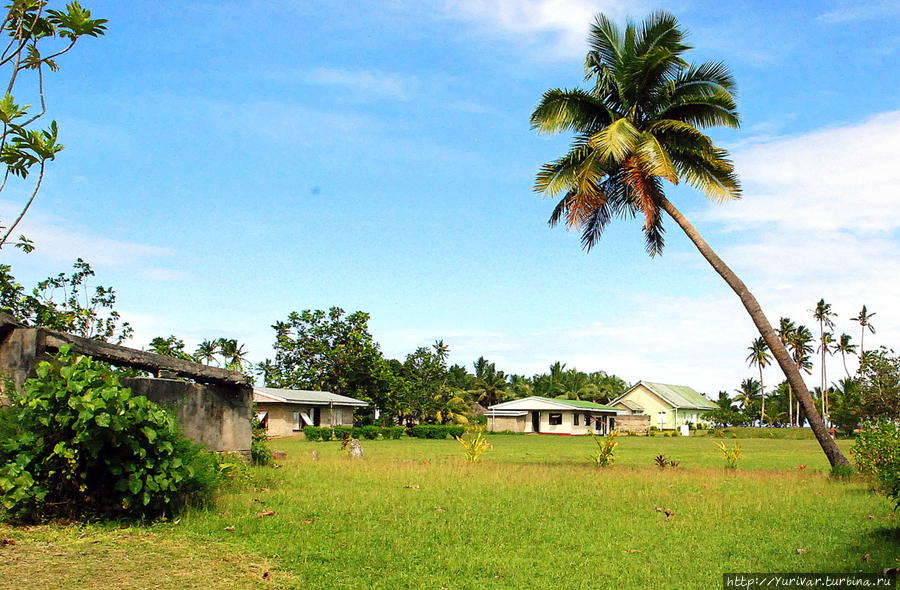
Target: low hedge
(436, 431)
(323, 433)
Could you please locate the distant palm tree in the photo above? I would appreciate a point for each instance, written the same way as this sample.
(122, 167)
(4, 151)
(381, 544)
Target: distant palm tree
(759, 356)
(638, 125)
(823, 314)
(441, 350)
(801, 349)
(490, 385)
(206, 351)
(826, 346)
(786, 329)
(234, 354)
(746, 396)
(845, 347)
(865, 321)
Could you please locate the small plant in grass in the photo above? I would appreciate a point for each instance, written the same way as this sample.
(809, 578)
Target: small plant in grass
(603, 456)
(474, 443)
(662, 462)
(731, 454)
(877, 454)
(83, 447)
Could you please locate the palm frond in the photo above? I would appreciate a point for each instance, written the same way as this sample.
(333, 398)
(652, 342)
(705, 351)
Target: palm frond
(711, 172)
(605, 42)
(569, 110)
(702, 110)
(654, 159)
(660, 29)
(616, 141)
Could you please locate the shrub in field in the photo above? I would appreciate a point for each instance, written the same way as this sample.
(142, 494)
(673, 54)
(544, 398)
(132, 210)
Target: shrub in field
(325, 433)
(662, 462)
(260, 452)
(877, 453)
(436, 431)
(731, 454)
(603, 456)
(474, 443)
(84, 447)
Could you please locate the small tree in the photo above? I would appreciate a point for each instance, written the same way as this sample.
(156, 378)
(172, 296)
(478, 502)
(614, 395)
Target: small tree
(879, 381)
(37, 37)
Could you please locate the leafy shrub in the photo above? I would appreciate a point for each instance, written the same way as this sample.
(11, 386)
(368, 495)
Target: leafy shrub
(603, 456)
(394, 432)
(260, 452)
(877, 453)
(475, 444)
(84, 447)
(731, 454)
(436, 431)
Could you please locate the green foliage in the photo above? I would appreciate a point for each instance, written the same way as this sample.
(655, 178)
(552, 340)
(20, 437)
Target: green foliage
(879, 385)
(260, 451)
(326, 433)
(84, 447)
(731, 454)
(328, 351)
(65, 303)
(38, 35)
(474, 444)
(603, 456)
(435, 431)
(877, 453)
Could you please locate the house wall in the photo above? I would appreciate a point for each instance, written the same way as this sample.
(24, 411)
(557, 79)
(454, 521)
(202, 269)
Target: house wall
(506, 424)
(281, 417)
(661, 413)
(567, 427)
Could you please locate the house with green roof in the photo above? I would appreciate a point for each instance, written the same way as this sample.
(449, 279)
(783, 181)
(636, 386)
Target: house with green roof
(544, 415)
(668, 406)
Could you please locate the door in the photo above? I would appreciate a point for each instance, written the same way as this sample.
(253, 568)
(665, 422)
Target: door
(317, 416)
(535, 421)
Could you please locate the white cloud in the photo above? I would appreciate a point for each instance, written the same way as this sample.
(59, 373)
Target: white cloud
(557, 27)
(365, 84)
(857, 11)
(842, 178)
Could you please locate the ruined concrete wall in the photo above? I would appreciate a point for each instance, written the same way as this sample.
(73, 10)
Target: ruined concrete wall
(215, 416)
(214, 413)
(637, 423)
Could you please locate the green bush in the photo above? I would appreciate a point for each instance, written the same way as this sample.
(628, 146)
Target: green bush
(877, 453)
(260, 452)
(324, 433)
(436, 431)
(83, 447)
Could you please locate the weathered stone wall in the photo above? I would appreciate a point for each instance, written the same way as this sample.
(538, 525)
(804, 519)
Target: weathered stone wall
(637, 423)
(213, 411)
(215, 416)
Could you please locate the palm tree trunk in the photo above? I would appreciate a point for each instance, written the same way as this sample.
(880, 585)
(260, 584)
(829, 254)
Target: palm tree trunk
(790, 370)
(762, 392)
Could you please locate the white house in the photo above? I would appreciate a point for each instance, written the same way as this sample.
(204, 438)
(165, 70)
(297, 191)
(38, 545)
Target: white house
(544, 415)
(284, 412)
(668, 406)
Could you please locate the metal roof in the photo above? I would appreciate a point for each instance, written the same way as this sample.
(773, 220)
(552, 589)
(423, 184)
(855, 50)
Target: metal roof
(536, 402)
(302, 396)
(677, 396)
(631, 405)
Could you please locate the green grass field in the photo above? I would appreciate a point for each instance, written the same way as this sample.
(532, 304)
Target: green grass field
(534, 513)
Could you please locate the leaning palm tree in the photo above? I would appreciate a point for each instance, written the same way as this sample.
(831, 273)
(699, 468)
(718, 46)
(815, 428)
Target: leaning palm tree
(844, 346)
(865, 321)
(638, 125)
(759, 356)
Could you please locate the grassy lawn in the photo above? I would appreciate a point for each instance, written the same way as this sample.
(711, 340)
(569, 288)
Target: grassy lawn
(535, 513)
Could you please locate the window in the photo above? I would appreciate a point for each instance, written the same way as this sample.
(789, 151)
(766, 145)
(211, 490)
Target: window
(555, 419)
(297, 421)
(575, 423)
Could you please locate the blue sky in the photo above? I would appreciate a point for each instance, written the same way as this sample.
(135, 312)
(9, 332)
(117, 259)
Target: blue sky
(229, 162)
